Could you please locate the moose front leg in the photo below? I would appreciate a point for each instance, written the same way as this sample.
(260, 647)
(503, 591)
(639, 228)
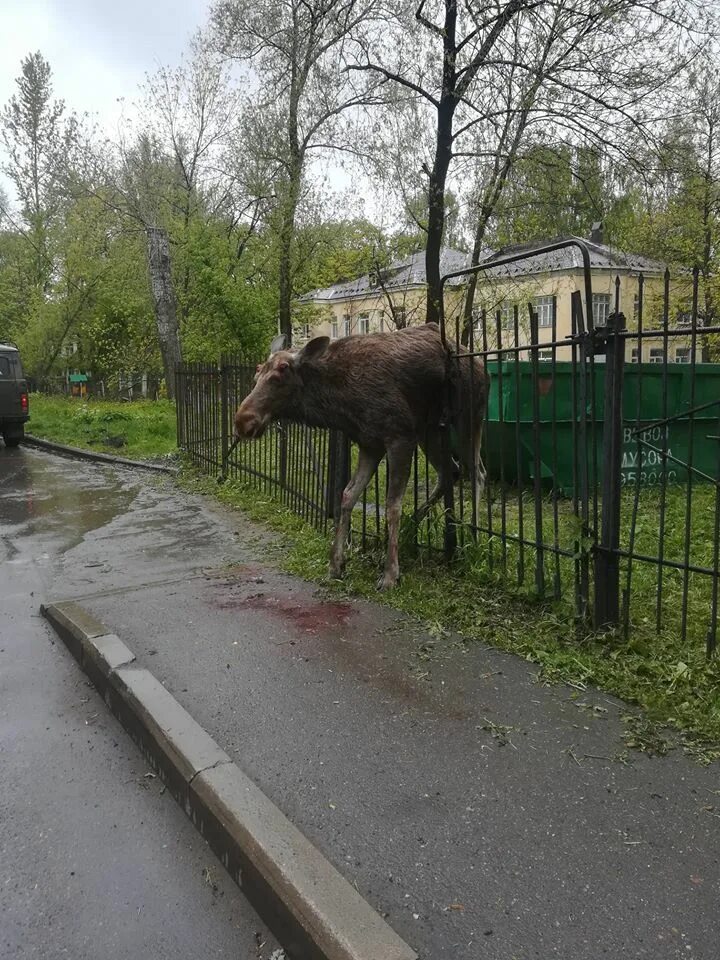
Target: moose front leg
(399, 463)
(367, 465)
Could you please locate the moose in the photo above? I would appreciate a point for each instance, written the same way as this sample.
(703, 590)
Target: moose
(388, 393)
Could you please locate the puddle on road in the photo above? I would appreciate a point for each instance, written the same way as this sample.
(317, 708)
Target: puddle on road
(44, 494)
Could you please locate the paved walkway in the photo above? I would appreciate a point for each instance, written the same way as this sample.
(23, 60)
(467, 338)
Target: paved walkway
(96, 861)
(487, 816)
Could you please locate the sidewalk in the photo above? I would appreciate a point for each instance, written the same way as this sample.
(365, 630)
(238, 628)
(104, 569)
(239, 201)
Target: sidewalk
(485, 815)
(96, 859)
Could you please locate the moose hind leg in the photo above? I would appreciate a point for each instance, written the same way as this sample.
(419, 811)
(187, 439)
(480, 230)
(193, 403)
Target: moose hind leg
(399, 463)
(367, 465)
(480, 472)
(433, 452)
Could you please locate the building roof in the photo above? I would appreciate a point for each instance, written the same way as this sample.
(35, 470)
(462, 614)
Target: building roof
(399, 275)
(602, 257)
(410, 271)
(8, 346)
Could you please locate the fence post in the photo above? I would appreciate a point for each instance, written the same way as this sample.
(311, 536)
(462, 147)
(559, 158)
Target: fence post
(537, 459)
(224, 418)
(581, 495)
(179, 406)
(338, 473)
(448, 493)
(607, 561)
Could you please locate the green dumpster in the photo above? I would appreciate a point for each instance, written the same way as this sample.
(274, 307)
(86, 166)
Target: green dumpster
(510, 448)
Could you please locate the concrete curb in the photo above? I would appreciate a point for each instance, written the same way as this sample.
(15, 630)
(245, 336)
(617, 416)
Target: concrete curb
(315, 913)
(80, 454)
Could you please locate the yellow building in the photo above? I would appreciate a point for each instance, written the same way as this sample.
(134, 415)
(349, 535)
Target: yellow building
(382, 301)
(397, 298)
(547, 281)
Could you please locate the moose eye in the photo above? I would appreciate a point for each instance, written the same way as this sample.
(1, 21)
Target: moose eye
(282, 366)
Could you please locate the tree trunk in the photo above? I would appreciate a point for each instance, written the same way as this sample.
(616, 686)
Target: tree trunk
(438, 175)
(436, 209)
(473, 278)
(163, 296)
(287, 233)
(287, 226)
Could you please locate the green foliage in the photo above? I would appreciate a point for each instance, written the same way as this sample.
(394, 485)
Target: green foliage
(334, 251)
(16, 291)
(141, 429)
(99, 302)
(35, 134)
(552, 191)
(226, 304)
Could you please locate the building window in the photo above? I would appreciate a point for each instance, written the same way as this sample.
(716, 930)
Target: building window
(683, 354)
(334, 329)
(305, 331)
(363, 324)
(635, 355)
(601, 308)
(506, 312)
(545, 355)
(657, 355)
(543, 306)
(400, 317)
(347, 325)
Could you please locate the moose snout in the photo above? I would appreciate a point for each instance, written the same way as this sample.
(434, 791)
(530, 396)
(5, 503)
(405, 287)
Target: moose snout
(248, 423)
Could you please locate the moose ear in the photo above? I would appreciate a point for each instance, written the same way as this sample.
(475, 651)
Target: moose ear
(279, 343)
(314, 349)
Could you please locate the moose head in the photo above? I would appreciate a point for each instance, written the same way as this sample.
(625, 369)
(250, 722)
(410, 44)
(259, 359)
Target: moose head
(279, 387)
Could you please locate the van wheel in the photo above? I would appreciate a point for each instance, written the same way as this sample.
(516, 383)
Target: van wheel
(14, 437)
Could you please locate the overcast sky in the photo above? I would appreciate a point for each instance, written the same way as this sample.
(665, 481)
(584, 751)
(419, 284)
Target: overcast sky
(99, 50)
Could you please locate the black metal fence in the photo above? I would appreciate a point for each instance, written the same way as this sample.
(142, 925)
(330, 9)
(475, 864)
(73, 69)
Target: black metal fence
(602, 448)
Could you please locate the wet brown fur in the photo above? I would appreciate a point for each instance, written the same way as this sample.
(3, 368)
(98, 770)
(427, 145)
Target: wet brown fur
(386, 391)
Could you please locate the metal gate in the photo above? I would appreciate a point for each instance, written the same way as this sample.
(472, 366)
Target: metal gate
(570, 505)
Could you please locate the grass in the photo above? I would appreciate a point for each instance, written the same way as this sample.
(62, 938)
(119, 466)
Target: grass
(142, 429)
(671, 681)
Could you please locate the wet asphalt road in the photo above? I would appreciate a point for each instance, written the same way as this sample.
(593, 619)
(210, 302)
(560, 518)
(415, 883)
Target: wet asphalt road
(95, 860)
(488, 817)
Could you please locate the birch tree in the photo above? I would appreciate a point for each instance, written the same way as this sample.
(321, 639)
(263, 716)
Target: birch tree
(300, 98)
(176, 164)
(484, 74)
